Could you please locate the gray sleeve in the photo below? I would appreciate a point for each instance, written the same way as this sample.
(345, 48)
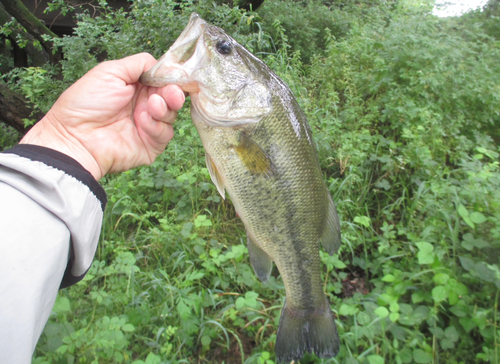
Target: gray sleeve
(51, 213)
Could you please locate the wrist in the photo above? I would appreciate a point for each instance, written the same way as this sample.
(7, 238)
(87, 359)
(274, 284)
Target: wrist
(47, 134)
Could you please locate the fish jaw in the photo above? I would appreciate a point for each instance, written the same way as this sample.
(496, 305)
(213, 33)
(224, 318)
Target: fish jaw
(223, 88)
(182, 59)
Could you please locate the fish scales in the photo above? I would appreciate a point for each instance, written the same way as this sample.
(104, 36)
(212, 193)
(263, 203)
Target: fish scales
(259, 149)
(283, 213)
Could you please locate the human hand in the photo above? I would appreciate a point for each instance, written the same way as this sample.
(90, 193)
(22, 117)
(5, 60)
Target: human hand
(108, 121)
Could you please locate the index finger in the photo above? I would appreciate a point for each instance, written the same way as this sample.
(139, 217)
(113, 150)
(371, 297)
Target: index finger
(130, 68)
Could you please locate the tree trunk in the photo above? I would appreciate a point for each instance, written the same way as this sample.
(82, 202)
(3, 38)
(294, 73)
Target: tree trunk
(38, 56)
(32, 25)
(13, 109)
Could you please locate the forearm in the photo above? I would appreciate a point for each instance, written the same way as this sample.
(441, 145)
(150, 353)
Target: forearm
(34, 251)
(50, 218)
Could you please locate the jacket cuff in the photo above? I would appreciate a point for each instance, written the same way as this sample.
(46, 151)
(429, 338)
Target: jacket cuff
(62, 162)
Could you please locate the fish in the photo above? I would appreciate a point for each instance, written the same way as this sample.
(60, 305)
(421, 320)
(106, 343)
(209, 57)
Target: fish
(259, 150)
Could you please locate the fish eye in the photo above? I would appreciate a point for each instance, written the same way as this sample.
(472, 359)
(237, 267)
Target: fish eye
(223, 46)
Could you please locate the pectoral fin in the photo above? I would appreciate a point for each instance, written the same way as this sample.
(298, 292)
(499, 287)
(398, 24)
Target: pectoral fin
(331, 236)
(253, 157)
(214, 175)
(261, 262)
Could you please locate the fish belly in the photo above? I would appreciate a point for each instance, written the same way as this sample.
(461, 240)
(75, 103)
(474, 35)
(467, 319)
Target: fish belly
(284, 213)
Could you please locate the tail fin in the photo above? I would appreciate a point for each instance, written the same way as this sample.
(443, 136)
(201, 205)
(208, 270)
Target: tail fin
(302, 331)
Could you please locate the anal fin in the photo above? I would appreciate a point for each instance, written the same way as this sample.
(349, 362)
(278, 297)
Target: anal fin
(331, 235)
(261, 262)
(215, 176)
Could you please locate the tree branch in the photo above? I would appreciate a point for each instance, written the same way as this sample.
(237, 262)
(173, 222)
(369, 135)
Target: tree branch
(38, 56)
(32, 25)
(13, 109)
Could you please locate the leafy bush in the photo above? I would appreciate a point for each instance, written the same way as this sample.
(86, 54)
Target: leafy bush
(409, 114)
(8, 137)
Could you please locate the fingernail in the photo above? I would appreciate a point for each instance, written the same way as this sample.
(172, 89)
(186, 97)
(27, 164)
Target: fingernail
(182, 94)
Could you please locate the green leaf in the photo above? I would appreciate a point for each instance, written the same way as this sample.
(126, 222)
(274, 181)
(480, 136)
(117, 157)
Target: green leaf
(202, 220)
(467, 323)
(388, 278)
(265, 355)
(441, 278)
(426, 254)
(463, 211)
(406, 355)
(375, 359)
(394, 316)
(460, 309)
(439, 293)
(363, 318)
(493, 155)
(437, 332)
(183, 309)
(383, 184)
(363, 220)
(128, 328)
(240, 303)
(62, 305)
(394, 307)
(421, 356)
(467, 263)
(346, 310)
(153, 359)
(425, 247)
(469, 222)
(417, 297)
(447, 344)
(62, 349)
(451, 333)
(206, 340)
(477, 217)
(382, 312)
(456, 290)
(251, 299)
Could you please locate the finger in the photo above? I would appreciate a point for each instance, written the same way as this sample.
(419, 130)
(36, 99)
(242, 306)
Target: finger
(173, 95)
(129, 69)
(141, 104)
(158, 109)
(154, 133)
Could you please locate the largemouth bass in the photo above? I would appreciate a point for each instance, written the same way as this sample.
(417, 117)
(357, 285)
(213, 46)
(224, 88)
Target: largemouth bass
(259, 149)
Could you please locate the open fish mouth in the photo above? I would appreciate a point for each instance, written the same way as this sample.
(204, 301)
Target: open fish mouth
(183, 57)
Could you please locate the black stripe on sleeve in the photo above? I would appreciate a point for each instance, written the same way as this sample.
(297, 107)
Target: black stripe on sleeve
(62, 162)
